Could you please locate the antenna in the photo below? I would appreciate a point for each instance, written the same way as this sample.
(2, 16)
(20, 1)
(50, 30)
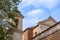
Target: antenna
(49, 13)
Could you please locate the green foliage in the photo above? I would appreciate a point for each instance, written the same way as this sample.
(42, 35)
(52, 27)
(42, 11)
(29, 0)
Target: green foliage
(9, 7)
(2, 33)
(1, 17)
(9, 10)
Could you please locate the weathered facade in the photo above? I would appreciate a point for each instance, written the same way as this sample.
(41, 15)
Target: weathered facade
(17, 34)
(28, 34)
(49, 34)
(17, 31)
(53, 36)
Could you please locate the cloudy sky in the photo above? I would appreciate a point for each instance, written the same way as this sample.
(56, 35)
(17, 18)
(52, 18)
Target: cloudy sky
(37, 10)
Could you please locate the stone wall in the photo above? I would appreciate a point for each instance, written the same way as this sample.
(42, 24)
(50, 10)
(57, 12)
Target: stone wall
(17, 36)
(50, 31)
(25, 35)
(54, 36)
(36, 30)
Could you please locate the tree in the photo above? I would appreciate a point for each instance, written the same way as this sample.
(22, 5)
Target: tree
(8, 9)
(2, 33)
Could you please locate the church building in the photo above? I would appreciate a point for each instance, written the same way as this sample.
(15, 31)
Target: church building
(48, 29)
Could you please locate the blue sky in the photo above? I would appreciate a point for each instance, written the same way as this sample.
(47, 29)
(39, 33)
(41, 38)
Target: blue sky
(37, 10)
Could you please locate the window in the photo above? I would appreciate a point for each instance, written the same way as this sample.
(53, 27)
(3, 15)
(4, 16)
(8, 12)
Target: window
(35, 33)
(16, 21)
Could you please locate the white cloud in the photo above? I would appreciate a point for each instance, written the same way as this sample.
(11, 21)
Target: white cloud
(35, 13)
(32, 17)
(50, 3)
(40, 3)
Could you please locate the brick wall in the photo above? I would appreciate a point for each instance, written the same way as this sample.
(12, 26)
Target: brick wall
(28, 34)
(25, 35)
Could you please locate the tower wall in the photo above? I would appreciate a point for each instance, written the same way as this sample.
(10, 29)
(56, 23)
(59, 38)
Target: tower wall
(20, 23)
(17, 36)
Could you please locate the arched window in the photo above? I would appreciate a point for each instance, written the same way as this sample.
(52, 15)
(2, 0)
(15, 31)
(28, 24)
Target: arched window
(16, 22)
(35, 33)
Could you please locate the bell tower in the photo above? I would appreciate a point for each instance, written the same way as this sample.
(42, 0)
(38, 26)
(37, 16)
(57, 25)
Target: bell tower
(19, 17)
(17, 33)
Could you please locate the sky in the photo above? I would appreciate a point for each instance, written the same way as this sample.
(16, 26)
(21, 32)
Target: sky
(38, 10)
